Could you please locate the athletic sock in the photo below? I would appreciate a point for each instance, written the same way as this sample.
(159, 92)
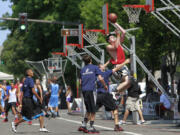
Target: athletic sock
(91, 123)
(57, 113)
(52, 111)
(84, 123)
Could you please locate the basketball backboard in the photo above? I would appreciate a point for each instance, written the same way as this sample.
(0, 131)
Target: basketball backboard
(105, 18)
(151, 4)
(73, 33)
(54, 64)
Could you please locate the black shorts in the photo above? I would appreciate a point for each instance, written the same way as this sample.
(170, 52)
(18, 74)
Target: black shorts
(9, 106)
(27, 108)
(89, 100)
(107, 100)
(5, 104)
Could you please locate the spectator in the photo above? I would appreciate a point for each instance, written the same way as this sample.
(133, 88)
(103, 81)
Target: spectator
(69, 98)
(178, 92)
(163, 106)
(2, 102)
(132, 102)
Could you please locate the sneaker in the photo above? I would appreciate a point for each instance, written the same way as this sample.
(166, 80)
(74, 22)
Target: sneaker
(121, 122)
(5, 120)
(138, 123)
(30, 122)
(53, 115)
(13, 127)
(43, 130)
(84, 129)
(143, 122)
(3, 116)
(118, 128)
(92, 130)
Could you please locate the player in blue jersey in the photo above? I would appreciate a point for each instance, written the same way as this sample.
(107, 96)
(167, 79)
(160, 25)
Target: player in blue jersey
(54, 97)
(103, 95)
(88, 77)
(2, 95)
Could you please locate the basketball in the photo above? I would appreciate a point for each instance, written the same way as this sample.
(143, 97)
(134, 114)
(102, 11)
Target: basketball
(112, 17)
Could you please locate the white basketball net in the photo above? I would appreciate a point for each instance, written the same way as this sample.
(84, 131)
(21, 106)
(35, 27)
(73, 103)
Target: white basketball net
(71, 51)
(133, 14)
(93, 36)
(51, 69)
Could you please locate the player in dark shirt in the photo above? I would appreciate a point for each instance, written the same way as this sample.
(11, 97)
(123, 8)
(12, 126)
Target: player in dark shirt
(29, 110)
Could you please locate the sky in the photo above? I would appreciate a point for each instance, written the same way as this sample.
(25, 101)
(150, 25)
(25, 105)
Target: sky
(4, 7)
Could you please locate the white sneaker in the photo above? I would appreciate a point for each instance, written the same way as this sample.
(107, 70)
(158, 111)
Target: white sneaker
(121, 122)
(13, 127)
(143, 122)
(43, 130)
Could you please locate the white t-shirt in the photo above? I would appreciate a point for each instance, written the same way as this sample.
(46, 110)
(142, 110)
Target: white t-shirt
(165, 101)
(12, 96)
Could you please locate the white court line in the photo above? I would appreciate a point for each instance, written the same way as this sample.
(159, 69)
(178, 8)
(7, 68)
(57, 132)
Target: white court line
(35, 124)
(108, 128)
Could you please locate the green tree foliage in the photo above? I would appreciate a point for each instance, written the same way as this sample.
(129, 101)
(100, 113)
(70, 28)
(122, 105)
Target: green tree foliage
(153, 39)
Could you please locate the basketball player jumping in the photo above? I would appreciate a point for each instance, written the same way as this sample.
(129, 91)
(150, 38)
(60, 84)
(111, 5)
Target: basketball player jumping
(116, 52)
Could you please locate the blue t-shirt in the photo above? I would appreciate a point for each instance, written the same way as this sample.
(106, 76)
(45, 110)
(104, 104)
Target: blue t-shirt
(27, 87)
(8, 87)
(88, 77)
(105, 75)
(54, 89)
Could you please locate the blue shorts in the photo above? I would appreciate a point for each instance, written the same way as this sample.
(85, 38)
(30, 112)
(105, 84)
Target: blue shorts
(2, 103)
(53, 101)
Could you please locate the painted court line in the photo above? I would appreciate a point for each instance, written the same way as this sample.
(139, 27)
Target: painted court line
(102, 127)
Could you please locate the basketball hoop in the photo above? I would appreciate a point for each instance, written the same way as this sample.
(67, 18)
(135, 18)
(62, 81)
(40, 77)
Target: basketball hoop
(93, 34)
(51, 69)
(133, 11)
(71, 51)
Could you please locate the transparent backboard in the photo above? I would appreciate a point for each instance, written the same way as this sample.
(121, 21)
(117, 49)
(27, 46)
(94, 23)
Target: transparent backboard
(151, 4)
(54, 64)
(105, 18)
(78, 32)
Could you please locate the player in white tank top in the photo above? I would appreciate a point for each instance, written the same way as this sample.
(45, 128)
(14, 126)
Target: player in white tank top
(12, 95)
(12, 99)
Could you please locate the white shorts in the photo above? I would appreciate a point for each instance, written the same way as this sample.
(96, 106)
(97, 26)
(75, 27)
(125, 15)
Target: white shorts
(132, 104)
(124, 71)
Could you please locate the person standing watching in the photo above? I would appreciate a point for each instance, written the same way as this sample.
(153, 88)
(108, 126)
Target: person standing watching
(27, 104)
(178, 92)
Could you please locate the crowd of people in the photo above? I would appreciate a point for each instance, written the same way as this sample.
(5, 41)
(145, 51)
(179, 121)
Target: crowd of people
(28, 101)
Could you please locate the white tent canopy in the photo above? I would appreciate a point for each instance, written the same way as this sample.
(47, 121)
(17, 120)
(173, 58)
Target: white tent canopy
(5, 76)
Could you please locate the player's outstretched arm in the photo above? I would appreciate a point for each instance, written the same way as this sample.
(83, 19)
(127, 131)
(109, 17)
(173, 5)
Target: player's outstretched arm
(123, 32)
(106, 64)
(118, 67)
